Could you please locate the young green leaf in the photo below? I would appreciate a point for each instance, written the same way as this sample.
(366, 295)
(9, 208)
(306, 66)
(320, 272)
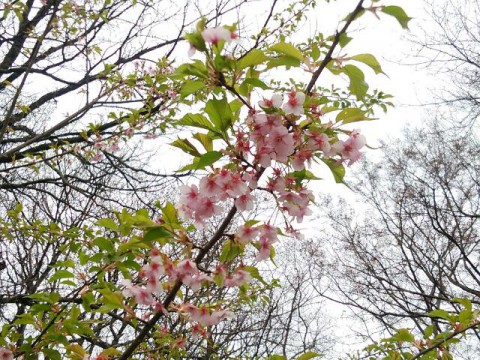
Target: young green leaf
(287, 49)
(186, 146)
(190, 87)
(398, 13)
(369, 60)
(229, 252)
(254, 57)
(196, 120)
(350, 115)
(108, 223)
(205, 140)
(208, 159)
(256, 83)
(338, 170)
(309, 355)
(358, 86)
(220, 113)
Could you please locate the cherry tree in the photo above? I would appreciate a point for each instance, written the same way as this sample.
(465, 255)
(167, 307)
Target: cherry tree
(156, 282)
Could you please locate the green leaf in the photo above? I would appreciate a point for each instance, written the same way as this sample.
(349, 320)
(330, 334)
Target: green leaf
(110, 352)
(112, 298)
(229, 252)
(170, 215)
(467, 304)
(208, 159)
(52, 354)
(350, 115)
(197, 68)
(190, 87)
(358, 86)
(256, 83)
(45, 297)
(104, 244)
(186, 146)
(276, 357)
(196, 40)
(25, 319)
(254, 273)
(156, 234)
(369, 60)
(205, 140)
(315, 53)
(108, 223)
(287, 49)
(464, 317)
(286, 61)
(338, 170)
(398, 13)
(404, 335)
(61, 274)
(428, 331)
(196, 120)
(439, 313)
(344, 40)
(309, 355)
(304, 175)
(220, 113)
(254, 57)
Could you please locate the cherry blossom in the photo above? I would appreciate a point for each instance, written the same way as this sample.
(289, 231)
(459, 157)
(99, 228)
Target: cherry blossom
(245, 234)
(245, 202)
(142, 296)
(275, 102)
(349, 149)
(5, 354)
(214, 35)
(237, 278)
(294, 105)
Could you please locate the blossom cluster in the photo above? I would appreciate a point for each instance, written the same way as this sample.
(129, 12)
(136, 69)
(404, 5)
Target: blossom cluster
(204, 315)
(200, 203)
(270, 143)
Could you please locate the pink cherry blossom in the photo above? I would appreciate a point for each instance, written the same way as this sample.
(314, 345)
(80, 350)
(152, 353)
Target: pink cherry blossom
(142, 296)
(245, 234)
(264, 252)
(97, 157)
(320, 142)
(349, 150)
(198, 331)
(203, 315)
(5, 354)
(158, 306)
(244, 202)
(282, 142)
(129, 132)
(209, 186)
(294, 105)
(275, 102)
(299, 159)
(214, 35)
(114, 148)
(237, 278)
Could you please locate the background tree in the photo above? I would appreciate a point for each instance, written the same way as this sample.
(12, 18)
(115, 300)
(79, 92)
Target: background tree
(451, 47)
(415, 248)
